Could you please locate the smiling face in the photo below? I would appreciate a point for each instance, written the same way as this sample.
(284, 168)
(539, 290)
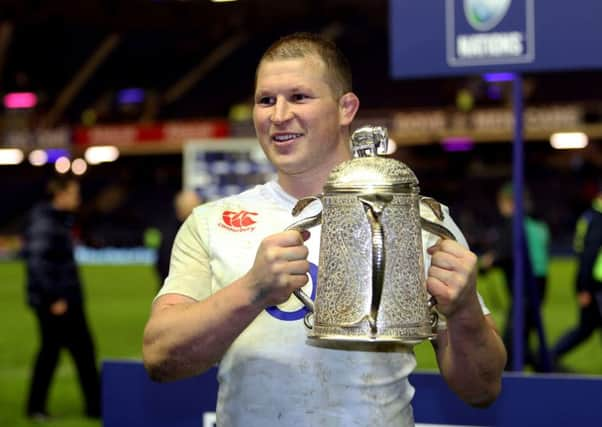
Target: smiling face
(300, 125)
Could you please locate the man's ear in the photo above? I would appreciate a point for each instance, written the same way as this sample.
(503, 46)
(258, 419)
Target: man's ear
(349, 103)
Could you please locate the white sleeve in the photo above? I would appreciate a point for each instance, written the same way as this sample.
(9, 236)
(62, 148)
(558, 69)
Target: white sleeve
(189, 268)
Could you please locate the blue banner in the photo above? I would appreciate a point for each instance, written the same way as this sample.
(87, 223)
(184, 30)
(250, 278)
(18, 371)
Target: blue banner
(431, 38)
(130, 398)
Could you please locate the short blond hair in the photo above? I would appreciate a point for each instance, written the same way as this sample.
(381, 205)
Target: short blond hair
(300, 45)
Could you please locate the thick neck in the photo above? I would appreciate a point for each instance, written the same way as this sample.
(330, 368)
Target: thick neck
(312, 182)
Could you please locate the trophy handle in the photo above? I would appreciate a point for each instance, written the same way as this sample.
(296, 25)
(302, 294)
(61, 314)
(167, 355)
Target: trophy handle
(438, 230)
(309, 222)
(301, 225)
(433, 227)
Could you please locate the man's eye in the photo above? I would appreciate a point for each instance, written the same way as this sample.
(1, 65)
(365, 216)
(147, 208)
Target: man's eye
(299, 97)
(265, 100)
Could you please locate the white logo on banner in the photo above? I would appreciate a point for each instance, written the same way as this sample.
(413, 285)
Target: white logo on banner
(478, 41)
(484, 15)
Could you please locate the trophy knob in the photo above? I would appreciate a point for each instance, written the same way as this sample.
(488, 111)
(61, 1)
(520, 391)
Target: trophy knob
(369, 141)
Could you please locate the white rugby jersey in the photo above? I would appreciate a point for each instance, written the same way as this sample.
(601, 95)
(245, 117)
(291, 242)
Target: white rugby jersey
(270, 376)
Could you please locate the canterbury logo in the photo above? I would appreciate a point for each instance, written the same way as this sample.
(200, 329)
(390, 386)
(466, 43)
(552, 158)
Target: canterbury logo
(238, 221)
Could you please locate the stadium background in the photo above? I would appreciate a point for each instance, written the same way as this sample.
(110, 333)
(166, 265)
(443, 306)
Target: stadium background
(194, 60)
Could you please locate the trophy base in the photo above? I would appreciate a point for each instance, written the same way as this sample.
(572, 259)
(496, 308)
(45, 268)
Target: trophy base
(366, 343)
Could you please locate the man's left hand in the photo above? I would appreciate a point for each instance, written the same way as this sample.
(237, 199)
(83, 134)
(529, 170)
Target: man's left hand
(452, 276)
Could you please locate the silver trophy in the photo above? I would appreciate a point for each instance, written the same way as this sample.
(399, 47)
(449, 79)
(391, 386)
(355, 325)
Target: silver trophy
(371, 282)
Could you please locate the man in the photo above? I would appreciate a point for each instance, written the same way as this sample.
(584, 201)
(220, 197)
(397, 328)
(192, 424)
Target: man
(184, 202)
(228, 296)
(54, 292)
(588, 247)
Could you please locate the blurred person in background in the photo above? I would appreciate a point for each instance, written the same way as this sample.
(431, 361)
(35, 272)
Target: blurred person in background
(233, 270)
(536, 264)
(113, 218)
(588, 247)
(184, 202)
(54, 293)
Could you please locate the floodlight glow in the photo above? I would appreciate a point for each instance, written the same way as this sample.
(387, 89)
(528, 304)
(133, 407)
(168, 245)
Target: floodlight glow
(62, 165)
(498, 77)
(79, 166)
(130, 96)
(457, 143)
(56, 153)
(101, 153)
(10, 156)
(568, 140)
(38, 157)
(17, 100)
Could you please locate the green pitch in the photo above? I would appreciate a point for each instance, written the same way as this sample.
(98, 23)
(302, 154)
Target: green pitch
(118, 301)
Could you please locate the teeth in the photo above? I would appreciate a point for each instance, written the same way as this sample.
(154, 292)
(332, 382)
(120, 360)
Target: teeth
(287, 137)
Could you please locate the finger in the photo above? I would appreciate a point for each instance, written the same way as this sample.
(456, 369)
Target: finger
(294, 280)
(275, 253)
(305, 234)
(463, 261)
(432, 249)
(447, 277)
(297, 267)
(452, 247)
(291, 238)
(294, 253)
(283, 239)
(439, 290)
(299, 281)
(445, 260)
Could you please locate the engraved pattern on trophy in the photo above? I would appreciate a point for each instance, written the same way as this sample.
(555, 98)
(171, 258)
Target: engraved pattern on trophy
(345, 252)
(404, 308)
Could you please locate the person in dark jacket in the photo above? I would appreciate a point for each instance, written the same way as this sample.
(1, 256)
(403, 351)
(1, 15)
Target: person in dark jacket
(588, 247)
(54, 293)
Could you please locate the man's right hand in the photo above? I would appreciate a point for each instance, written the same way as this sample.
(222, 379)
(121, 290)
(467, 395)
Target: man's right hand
(280, 267)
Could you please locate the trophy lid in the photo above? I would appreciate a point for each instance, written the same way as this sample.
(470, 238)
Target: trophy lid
(367, 171)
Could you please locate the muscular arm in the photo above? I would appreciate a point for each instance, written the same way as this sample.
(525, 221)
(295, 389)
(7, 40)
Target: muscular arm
(471, 358)
(184, 337)
(470, 353)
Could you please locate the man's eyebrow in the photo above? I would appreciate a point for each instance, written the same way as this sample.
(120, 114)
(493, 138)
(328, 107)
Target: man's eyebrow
(292, 89)
(300, 88)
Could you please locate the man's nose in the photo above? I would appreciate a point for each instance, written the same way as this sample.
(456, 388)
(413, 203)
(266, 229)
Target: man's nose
(282, 111)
